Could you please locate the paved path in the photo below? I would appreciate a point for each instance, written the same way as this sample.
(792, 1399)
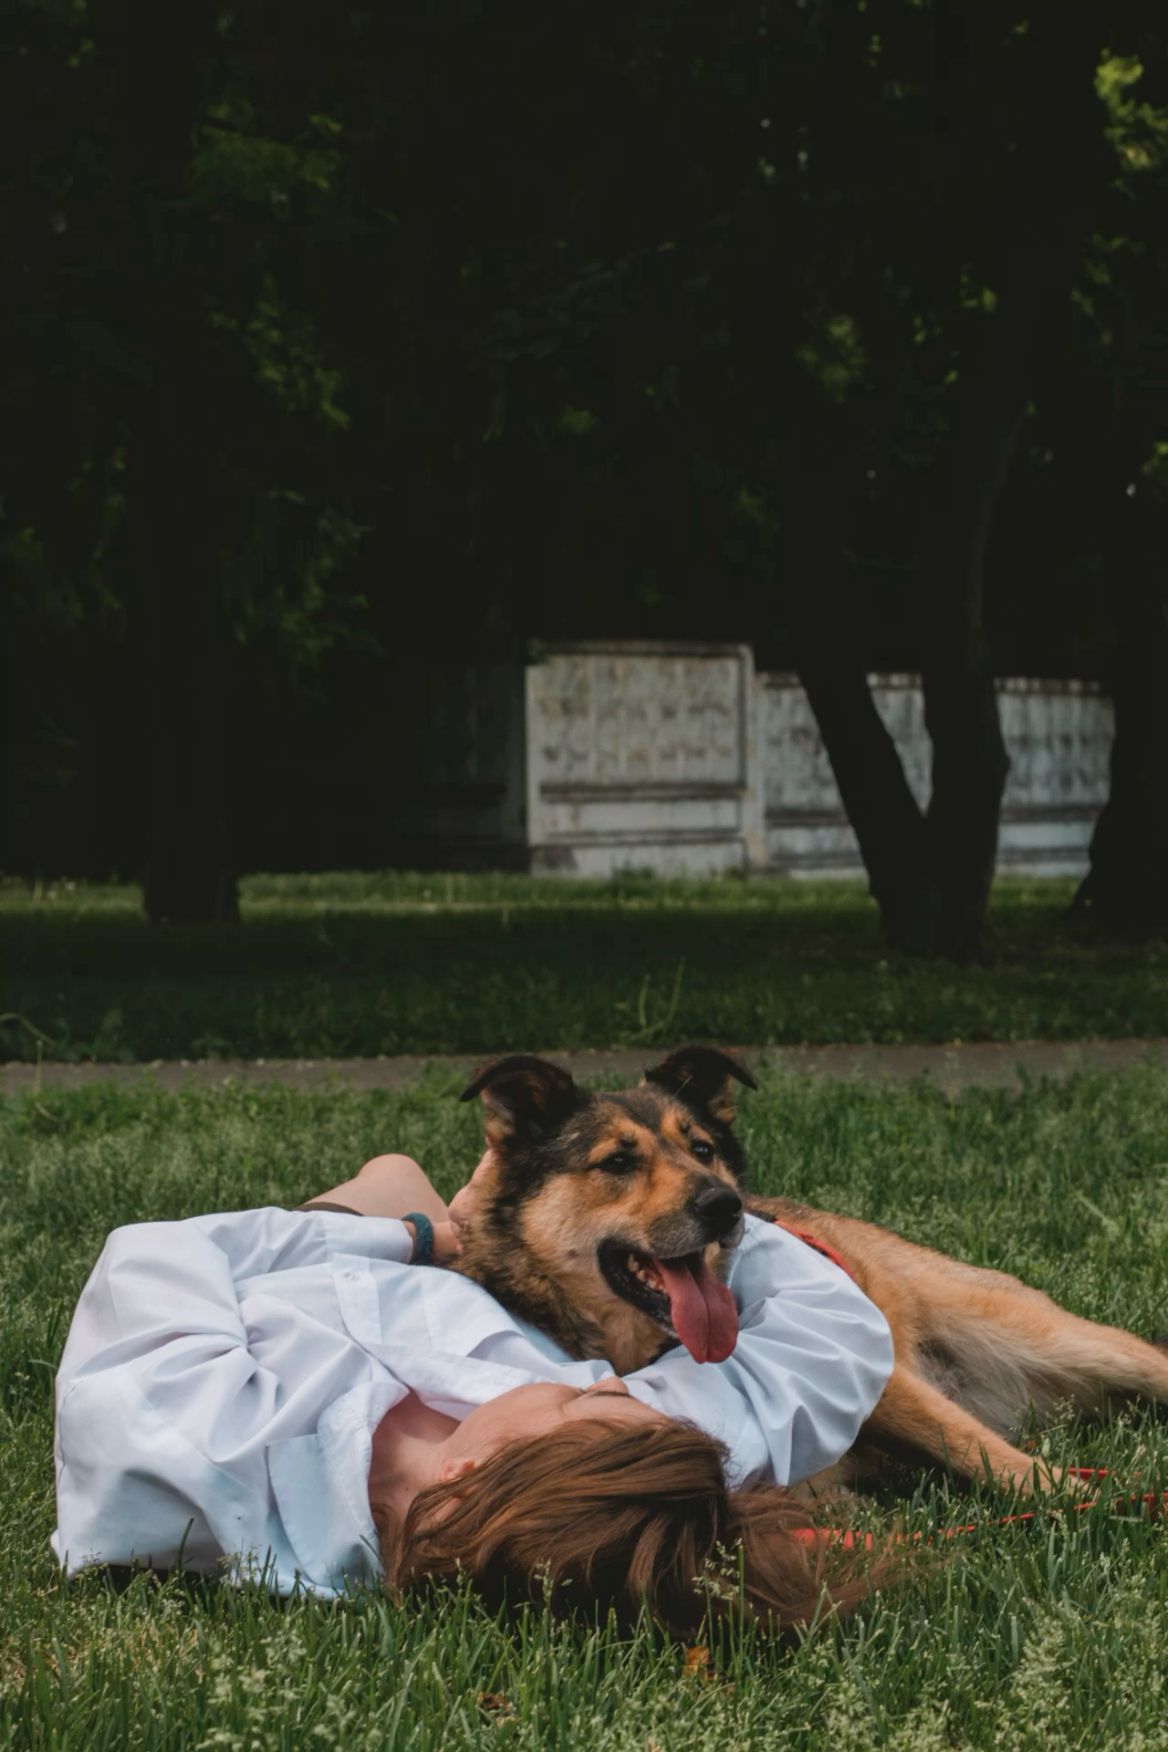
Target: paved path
(960, 1066)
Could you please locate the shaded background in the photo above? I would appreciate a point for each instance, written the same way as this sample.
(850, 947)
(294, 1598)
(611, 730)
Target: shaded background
(347, 345)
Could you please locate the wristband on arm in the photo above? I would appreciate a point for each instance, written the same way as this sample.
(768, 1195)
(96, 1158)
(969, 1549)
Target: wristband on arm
(423, 1238)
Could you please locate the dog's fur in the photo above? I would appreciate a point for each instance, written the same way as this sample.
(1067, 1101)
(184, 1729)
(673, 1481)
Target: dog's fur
(575, 1177)
(578, 1182)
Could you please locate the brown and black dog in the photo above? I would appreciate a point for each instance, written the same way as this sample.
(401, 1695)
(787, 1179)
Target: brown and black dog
(607, 1220)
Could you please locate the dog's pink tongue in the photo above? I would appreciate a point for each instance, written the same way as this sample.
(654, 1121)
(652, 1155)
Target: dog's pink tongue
(701, 1309)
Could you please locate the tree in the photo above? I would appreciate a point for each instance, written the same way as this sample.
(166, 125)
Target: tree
(1125, 891)
(177, 470)
(1124, 471)
(765, 336)
(1023, 170)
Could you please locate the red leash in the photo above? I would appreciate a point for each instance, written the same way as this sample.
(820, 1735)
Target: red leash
(1150, 1501)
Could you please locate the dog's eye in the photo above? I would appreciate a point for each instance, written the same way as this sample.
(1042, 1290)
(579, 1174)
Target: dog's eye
(702, 1149)
(620, 1162)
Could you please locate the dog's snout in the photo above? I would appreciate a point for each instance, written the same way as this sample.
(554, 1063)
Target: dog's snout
(717, 1207)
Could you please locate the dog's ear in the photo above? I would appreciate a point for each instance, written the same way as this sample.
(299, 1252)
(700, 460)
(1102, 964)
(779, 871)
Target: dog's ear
(524, 1099)
(704, 1077)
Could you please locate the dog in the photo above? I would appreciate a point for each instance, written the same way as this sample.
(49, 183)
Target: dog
(608, 1221)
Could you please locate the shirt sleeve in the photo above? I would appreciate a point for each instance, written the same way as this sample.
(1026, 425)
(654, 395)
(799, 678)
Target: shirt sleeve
(812, 1358)
(159, 1285)
(254, 1243)
(163, 1410)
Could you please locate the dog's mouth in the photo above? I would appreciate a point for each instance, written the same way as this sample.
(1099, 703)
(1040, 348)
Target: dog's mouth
(682, 1295)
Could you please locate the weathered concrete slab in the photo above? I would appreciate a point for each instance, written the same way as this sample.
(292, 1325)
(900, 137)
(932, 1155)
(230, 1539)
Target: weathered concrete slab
(999, 1064)
(679, 758)
(641, 756)
(1057, 734)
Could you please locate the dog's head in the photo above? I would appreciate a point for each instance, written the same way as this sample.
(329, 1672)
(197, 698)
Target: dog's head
(609, 1218)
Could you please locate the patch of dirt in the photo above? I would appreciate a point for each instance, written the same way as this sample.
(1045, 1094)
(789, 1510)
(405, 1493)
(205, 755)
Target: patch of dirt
(960, 1065)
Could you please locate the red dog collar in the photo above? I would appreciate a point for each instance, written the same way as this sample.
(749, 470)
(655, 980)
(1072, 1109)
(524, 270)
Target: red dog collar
(819, 1246)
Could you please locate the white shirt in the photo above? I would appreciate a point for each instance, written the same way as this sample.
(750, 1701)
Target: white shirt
(223, 1377)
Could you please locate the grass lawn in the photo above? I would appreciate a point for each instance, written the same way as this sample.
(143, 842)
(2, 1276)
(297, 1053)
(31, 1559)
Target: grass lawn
(1053, 1636)
(365, 964)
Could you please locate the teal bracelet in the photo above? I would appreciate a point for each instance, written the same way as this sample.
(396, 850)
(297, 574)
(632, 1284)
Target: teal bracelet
(423, 1238)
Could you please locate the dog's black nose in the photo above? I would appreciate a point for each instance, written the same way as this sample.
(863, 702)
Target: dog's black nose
(718, 1208)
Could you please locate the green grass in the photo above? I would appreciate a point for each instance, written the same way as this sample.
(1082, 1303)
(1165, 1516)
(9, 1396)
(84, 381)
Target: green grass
(364, 964)
(1052, 1637)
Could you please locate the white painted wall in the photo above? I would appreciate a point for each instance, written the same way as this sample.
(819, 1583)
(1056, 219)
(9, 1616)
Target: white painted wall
(680, 760)
(643, 756)
(617, 755)
(1057, 735)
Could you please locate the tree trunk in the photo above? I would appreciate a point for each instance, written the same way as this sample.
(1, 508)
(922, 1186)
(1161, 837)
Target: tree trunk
(1041, 212)
(881, 808)
(1125, 891)
(189, 875)
(970, 763)
(156, 61)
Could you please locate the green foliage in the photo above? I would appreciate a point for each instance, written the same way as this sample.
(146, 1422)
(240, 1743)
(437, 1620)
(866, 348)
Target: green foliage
(1138, 129)
(363, 963)
(1050, 1637)
(387, 257)
(212, 218)
(233, 167)
(288, 361)
(836, 360)
(565, 323)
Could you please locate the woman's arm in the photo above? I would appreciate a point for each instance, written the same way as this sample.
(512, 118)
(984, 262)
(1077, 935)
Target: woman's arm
(168, 1398)
(394, 1186)
(812, 1358)
(387, 1186)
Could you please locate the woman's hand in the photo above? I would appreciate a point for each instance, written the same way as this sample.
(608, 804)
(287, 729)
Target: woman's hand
(447, 1245)
(464, 1204)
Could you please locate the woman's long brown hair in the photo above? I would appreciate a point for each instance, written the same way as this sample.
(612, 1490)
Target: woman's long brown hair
(619, 1517)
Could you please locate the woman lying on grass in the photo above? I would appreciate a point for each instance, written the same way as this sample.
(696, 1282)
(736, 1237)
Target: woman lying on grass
(281, 1393)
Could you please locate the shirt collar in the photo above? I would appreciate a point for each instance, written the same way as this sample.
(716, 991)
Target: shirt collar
(321, 1486)
(321, 1481)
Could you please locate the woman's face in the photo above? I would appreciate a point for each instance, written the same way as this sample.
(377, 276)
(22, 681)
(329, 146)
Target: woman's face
(541, 1407)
